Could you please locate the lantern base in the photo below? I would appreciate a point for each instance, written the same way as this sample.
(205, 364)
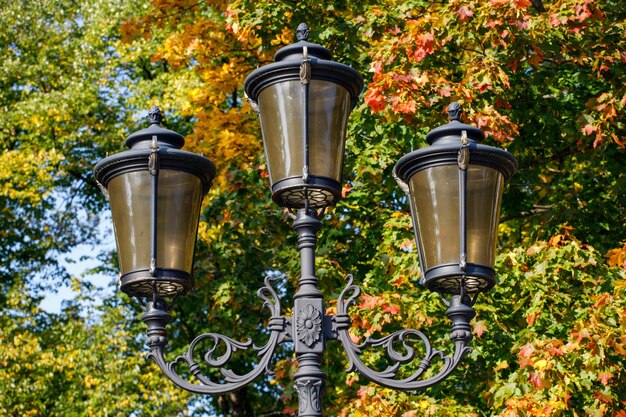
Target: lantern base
(293, 193)
(448, 279)
(166, 283)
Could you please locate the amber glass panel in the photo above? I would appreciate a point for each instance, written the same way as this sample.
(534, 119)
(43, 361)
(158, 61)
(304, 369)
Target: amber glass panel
(485, 187)
(436, 214)
(281, 107)
(178, 210)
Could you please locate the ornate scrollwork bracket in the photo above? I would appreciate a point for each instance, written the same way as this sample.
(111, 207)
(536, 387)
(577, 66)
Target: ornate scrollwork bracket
(460, 312)
(308, 329)
(156, 318)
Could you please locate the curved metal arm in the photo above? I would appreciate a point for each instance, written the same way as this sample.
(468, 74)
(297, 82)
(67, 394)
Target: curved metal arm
(460, 312)
(156, 317)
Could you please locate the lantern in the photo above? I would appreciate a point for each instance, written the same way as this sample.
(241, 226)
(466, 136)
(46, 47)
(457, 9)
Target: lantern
(303, 101)
(455, 191)
(155, 191)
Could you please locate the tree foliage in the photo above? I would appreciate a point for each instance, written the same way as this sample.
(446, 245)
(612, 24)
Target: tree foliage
(63, 101)
(544, 79)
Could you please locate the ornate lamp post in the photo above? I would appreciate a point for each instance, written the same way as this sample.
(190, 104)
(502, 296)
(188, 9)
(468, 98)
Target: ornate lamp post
(303, 100)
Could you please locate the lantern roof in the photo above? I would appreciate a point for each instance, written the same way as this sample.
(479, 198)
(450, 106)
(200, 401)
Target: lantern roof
(452, 131)
(445, 143)
(287, 68)
(165, 138)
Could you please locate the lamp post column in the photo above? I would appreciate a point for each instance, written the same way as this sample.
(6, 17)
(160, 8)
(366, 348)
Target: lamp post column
(308, 314)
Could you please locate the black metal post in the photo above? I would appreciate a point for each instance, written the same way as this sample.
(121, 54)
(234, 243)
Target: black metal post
(308, 314)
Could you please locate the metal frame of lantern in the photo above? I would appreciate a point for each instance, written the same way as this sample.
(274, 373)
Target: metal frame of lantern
(155, 162)
(305, 72)
(309, 328)
(456, 148)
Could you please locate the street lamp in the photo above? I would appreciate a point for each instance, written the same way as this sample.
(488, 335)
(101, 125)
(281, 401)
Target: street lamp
(303, 100)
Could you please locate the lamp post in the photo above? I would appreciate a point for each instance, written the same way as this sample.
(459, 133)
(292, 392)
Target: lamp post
(454, 188)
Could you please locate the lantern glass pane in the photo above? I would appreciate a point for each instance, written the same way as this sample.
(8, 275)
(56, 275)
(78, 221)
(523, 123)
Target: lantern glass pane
(485, 187)
(436, 214)
(178, 209)
(281, 110)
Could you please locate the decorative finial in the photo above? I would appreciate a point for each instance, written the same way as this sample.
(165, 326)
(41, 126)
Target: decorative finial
(302, 33)
(155, 115)
(454, 111)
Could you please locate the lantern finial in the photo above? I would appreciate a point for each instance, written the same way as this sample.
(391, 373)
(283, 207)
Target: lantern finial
(454, 111)
(302, 32)
(155, 115)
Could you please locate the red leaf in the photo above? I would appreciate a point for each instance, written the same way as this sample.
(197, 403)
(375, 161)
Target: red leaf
(406, 107)
(465, 13)
(526, 351)
(536, 379)
(522, 4)
(391, 308)
(589, 129)
(375, 99)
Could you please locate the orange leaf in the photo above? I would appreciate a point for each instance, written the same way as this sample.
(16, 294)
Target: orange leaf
(479, 328)
(617, 257)
(530, 318)
(600, 396)
(369, 302)
(604, 377)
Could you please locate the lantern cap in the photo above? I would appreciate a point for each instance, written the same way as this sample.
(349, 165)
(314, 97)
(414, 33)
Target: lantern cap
(296, 50)
(451, 132)
(287, 68)
(445, 142)
(171, 156)
(165, 138)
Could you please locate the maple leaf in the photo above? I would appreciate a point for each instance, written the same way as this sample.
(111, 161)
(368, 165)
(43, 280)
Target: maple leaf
(425, 46)
(526, 351)
(479, 328)
(589, 129)
(405, 107)
(391, 308)
(602, 397)
(522, 4)
(369, 302)
(375, 100)
(531, 317)
(604, 377)
(536, 379)
(465, 13)
(345, 190)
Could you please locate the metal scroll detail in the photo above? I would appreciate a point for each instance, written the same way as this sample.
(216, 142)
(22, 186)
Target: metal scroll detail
(156, 317)
(460, 312)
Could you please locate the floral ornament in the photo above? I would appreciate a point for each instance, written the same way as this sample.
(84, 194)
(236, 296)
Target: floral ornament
(309, 325)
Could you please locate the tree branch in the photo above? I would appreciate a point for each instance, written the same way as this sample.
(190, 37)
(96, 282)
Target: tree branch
(538, 4)
(535, 210)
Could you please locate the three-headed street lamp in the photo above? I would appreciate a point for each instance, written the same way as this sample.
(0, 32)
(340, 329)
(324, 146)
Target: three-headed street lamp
(303, 100)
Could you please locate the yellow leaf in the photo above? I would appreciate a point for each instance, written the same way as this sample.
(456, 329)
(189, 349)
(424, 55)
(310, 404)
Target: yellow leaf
(540, 364)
